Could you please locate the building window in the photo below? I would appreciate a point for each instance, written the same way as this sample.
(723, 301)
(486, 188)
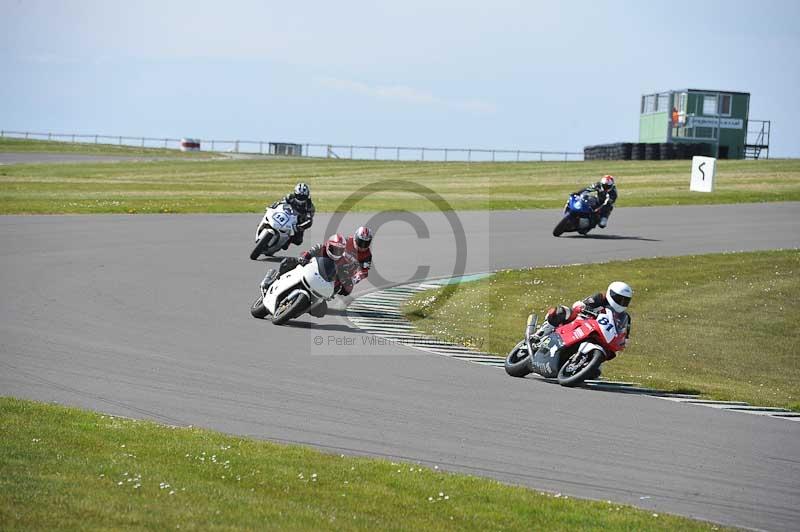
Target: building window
(662, 104)
(705, 133)
(682, 102)
(725, 104)
(710, 104)
(649, 103)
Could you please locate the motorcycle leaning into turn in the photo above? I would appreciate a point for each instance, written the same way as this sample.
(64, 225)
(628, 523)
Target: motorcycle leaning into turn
(573, 352)
(580, 214)
(299, 289)
(277, 227)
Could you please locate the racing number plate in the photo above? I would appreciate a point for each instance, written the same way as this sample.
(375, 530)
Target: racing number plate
(280, 218)
(606, 322)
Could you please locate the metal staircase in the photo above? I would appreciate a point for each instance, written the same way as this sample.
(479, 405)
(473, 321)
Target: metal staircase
(757, 139)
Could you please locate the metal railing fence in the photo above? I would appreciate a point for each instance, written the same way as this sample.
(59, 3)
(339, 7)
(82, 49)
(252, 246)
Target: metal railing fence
(337, 151)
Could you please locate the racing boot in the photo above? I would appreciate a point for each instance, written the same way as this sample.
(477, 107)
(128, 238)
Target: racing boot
(268, 280)
(318, 311)
(289, 263)
(543, 332)
(603, 222)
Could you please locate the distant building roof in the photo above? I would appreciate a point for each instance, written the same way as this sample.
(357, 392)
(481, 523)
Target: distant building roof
(716, 90)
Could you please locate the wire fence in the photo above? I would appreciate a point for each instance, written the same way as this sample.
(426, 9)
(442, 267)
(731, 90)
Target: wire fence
(332, 151)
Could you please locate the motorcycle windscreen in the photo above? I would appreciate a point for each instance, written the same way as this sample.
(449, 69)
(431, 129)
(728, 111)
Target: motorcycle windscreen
(583, 204)
(326, 268)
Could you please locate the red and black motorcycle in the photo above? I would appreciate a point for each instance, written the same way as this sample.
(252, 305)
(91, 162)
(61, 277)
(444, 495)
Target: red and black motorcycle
(573, 352)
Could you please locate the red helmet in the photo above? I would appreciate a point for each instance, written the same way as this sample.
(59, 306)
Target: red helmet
(607, 182)
(362, 237)
(335, 246)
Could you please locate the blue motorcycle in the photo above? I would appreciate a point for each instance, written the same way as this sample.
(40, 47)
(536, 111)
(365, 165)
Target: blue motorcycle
(580, 214)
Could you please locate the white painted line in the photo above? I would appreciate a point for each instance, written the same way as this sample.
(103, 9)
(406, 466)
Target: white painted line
(464, 351)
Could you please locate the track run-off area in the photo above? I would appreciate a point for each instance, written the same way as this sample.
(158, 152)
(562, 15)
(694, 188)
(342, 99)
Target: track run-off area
(147, 317)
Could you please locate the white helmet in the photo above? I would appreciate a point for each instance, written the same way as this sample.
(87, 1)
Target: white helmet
(302, 192)
(619, 295)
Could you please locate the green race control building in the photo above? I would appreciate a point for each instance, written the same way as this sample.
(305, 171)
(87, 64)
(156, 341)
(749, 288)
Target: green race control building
(717, 119)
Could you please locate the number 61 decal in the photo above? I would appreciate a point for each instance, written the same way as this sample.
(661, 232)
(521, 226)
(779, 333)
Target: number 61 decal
(607, 325)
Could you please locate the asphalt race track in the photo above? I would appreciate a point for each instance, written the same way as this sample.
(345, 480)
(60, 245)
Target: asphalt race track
(147, 316)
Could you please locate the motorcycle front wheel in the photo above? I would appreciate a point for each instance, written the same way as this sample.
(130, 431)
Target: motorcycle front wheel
(566, 224)
(518, 361)
(261, 245)
(290, 308)
(579, 366)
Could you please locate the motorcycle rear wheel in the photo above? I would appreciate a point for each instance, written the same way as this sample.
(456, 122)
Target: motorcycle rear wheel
(518, 361)
(257, 309)
(580, 365)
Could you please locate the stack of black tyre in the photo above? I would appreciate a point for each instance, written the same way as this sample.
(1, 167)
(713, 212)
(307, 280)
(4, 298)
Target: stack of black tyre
(619, 151)
(641, 151)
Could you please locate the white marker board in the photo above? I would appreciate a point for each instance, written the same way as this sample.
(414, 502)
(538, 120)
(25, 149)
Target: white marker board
(703, 171)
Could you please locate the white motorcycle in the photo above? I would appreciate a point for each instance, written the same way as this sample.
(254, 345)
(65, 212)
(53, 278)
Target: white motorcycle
(278, 225)
(299, 290)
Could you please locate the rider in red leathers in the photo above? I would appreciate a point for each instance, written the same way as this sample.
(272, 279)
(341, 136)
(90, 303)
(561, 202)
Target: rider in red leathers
(334, 248)
(352, 257)
(352, 264)
(359, 254)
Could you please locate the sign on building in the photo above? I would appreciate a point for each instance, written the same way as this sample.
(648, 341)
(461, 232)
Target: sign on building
(723, 123)
(703, 171)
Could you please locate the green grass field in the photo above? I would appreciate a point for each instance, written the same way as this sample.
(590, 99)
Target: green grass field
(723, 325)
(188, 185)
(66, 469)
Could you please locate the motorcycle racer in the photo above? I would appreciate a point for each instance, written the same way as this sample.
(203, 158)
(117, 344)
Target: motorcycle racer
(300, 201)
(352, 256)
(334, 249)
(617, 297)
(359, 254)
(606, 191)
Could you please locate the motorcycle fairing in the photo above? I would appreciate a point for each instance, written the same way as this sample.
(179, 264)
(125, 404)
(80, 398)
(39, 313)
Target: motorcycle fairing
(547, 361)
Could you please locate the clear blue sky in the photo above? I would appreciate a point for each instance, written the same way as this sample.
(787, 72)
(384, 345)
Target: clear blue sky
(500, 74)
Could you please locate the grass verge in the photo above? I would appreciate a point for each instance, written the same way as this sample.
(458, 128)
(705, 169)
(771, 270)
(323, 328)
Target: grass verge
(722, 325)
(66, 469)
(16, 145)
(189, 185)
